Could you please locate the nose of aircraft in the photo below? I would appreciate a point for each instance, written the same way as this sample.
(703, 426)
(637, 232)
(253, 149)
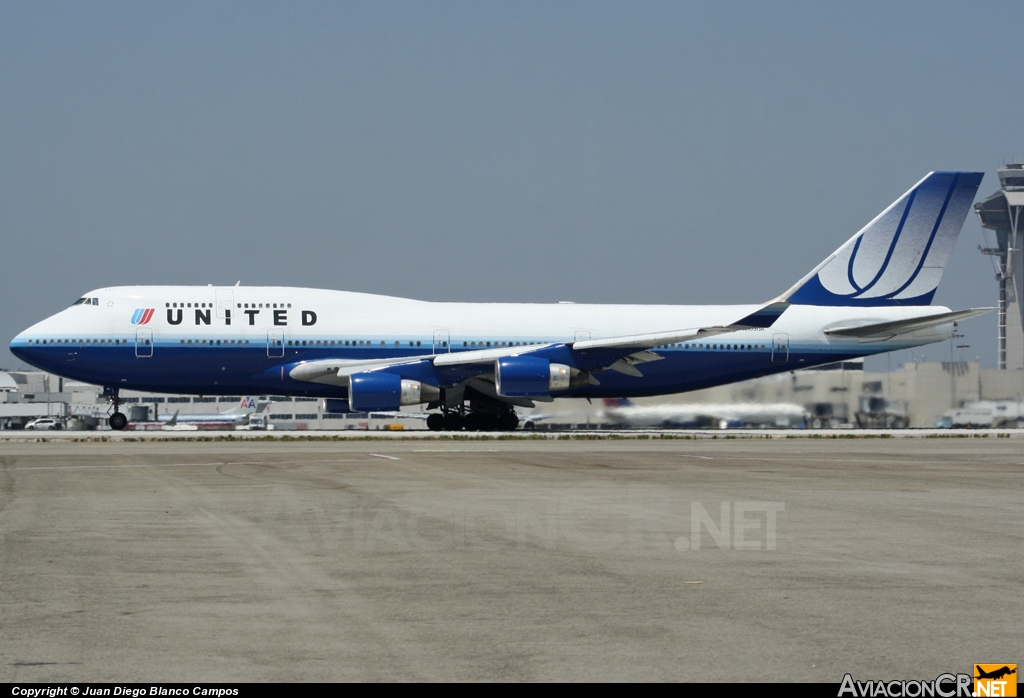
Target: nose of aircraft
(30, 345)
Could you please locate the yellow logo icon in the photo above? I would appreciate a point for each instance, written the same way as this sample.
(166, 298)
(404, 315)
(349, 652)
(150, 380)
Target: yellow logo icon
(995, 680)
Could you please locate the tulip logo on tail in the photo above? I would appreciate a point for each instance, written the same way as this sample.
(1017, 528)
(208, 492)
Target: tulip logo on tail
(142, 316)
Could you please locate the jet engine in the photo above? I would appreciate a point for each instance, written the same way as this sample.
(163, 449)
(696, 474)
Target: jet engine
(386, 392)
(525, 376)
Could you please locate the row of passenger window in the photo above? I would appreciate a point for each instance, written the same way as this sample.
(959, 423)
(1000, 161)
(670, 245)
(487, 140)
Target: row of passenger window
(346, 343)
(215, 342)
(210, 305)
(161, 400)
(481, 345)
(714, 347)
(81, 342)
(285, 417)
(398, 344)
(368, 343)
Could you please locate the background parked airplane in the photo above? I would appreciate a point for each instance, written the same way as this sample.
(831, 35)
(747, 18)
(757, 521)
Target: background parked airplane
(238, 416)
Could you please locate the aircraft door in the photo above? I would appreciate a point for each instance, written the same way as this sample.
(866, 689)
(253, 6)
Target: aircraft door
(225, 301)
(144, 343)
(275, 344)
(780, 348)
(442, 342)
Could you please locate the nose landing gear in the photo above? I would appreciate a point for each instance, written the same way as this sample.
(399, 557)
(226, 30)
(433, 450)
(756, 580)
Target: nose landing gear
(117, 420)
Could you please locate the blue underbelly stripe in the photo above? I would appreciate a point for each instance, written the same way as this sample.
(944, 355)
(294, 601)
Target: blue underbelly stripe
(248, 370)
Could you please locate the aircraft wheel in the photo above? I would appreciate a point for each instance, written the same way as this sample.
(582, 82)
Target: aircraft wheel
(474, 422)
(453, 422)
(435, 422)
(118, 421)
(508, 421)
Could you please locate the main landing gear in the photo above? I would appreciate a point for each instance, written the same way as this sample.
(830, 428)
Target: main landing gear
(118, 422)
(484, 414)
(473, 421)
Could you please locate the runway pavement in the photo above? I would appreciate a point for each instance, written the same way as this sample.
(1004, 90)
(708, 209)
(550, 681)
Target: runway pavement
(710, 559)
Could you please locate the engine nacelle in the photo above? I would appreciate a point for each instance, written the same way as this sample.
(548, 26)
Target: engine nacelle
(525, 376)
(386, 392)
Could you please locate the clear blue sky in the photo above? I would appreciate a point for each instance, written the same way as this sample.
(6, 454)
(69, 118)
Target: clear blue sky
(598, 152)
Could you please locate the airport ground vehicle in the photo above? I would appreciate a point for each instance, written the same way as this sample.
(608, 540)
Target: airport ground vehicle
(45, 423)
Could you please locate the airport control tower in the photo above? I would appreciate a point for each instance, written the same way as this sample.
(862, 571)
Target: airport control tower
(1001, 212)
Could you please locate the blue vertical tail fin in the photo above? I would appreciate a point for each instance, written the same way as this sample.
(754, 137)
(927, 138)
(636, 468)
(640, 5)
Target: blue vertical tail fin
(898, 258)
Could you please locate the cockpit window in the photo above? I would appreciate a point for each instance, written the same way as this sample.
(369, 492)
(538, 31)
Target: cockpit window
(86, 301)
(80, 301)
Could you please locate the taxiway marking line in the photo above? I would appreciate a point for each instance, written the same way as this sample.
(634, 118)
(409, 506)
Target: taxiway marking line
(177, 465)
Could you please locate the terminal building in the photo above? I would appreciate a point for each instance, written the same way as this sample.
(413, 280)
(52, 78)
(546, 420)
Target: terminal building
(1001, 213)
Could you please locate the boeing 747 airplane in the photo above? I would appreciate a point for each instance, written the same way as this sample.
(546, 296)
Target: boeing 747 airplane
(474, 363)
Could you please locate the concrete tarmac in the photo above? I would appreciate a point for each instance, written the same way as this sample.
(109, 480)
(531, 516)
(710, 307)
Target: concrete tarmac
(740, 560)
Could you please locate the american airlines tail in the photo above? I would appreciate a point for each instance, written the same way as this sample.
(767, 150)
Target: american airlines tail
(898, 258)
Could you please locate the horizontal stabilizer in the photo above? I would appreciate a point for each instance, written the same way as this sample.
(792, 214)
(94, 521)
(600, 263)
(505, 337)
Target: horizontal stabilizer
(884, 330)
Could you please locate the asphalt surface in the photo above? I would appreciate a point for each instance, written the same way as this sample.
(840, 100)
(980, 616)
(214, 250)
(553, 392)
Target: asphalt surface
(510, 560)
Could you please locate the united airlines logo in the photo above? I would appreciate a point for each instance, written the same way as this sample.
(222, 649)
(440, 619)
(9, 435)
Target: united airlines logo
(901, 253)
(899, 257)
(142, 316)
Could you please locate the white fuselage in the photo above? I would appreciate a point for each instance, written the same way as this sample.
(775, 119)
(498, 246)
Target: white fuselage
(239, 340)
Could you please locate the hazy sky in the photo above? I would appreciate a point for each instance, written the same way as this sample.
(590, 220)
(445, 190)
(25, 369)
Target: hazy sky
(596, 152)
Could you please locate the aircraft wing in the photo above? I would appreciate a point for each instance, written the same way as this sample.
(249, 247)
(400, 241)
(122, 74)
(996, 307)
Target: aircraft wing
(762, 318)
(614, 353)
(885, 330)
(765, 317)
(338, 371)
